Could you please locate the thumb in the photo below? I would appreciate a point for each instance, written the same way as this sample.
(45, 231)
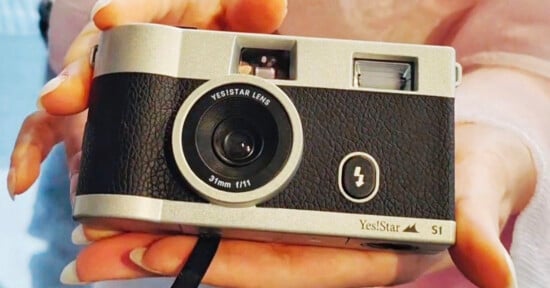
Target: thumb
(237, 15)
(481, 212)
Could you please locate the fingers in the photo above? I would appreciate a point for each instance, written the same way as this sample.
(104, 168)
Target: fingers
(82, 44)
(482, 258)
(480, 215)
(38, 134)
(242, 264)
(509, 155)
(255, 16)
(84, 235)
(239, 15)
(495, 178)
(74, 172)
(67, 93)
(248, 264)
(108, 257)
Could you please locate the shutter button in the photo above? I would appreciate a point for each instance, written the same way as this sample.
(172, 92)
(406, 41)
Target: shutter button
(358, 177)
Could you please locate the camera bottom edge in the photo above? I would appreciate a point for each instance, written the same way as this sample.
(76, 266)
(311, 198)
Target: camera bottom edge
(273, 225)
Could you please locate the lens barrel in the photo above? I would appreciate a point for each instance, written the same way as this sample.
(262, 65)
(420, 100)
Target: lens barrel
(221, 125)
(237, 141)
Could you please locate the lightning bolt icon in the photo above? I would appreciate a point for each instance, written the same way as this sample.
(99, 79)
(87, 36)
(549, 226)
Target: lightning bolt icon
(360, 177)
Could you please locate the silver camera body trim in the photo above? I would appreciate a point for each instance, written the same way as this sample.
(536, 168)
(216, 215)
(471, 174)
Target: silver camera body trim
(357, 231)
(317, 62)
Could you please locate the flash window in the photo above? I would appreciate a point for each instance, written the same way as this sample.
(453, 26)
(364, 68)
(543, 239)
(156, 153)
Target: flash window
(386, 75)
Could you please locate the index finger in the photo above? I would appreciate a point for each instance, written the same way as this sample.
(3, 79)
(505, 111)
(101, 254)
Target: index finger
(236, 15)
(244, 264)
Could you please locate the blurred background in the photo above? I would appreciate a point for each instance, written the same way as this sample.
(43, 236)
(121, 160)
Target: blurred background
(35, 243)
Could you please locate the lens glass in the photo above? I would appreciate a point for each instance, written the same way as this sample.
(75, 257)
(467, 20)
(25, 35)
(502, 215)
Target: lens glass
(238, 146)
(237, 142)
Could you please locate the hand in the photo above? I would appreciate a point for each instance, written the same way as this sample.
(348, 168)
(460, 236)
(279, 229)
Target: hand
(495, 179)
(65, 98)
(483, 203)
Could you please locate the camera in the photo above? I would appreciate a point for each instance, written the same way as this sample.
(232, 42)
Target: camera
(296, 140)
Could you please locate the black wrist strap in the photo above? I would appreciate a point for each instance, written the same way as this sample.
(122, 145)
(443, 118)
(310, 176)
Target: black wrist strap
(198, 262)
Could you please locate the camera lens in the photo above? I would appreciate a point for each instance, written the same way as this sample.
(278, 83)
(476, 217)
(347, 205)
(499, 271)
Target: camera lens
(236, 142)
(239, 138)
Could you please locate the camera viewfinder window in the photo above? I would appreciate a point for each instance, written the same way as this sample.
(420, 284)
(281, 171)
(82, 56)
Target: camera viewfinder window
(265, 63)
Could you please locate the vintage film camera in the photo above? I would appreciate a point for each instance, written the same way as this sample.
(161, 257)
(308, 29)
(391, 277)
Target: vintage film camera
(272, 138)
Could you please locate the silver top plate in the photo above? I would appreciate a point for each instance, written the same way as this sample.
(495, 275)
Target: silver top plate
(318, 62)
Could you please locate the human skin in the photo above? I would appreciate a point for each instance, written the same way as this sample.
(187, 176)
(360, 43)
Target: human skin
(495, 179)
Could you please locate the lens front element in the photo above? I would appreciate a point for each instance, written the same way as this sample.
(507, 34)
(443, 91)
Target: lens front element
(238, 147)
(237, 142)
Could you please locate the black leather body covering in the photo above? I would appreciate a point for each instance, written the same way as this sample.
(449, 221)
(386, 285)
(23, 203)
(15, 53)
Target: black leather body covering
(127, 146)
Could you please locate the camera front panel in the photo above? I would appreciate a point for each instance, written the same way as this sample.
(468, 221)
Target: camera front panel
(127, 147)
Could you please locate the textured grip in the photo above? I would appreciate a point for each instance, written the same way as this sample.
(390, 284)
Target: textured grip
(410, 136)
(127, 147)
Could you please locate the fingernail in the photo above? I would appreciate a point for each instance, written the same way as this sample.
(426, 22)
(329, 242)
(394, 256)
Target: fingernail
(514, 280)
(136, 256)
(69, 275)
(78, 237)
(74, 163)
(12, 180)
(73, 183)
(49, 87)
(100, 4)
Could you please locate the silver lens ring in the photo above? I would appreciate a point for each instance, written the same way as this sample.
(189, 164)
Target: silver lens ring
(259, 194)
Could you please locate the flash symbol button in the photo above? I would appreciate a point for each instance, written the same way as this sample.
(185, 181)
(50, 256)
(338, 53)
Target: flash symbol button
(358, 177)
